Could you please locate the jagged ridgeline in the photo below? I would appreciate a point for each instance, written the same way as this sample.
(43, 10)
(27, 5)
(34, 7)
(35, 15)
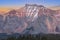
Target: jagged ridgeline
(30, 19)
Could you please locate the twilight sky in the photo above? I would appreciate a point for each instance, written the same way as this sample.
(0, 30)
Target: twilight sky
(6, 4)
(10, 3)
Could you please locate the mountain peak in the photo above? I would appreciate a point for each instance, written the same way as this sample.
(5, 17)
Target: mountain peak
(34, 5)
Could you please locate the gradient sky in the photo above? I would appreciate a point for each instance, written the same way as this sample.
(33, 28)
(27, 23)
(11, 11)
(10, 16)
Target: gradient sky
(6, 4)
(22, 2)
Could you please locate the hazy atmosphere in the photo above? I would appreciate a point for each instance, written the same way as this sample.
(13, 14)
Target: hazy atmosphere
(8, 4)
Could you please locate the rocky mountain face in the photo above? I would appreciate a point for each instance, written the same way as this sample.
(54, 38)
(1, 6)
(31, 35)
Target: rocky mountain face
(30, 19)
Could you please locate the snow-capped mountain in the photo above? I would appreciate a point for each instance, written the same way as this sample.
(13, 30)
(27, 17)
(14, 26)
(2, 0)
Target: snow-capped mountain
(31, 19)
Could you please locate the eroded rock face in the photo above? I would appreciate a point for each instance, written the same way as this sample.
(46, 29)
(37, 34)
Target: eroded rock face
(58, 23)
(41, 18)
(1, 23)
(11, 22)
(32, 19)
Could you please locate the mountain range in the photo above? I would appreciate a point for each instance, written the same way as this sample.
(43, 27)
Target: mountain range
(30, 19)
